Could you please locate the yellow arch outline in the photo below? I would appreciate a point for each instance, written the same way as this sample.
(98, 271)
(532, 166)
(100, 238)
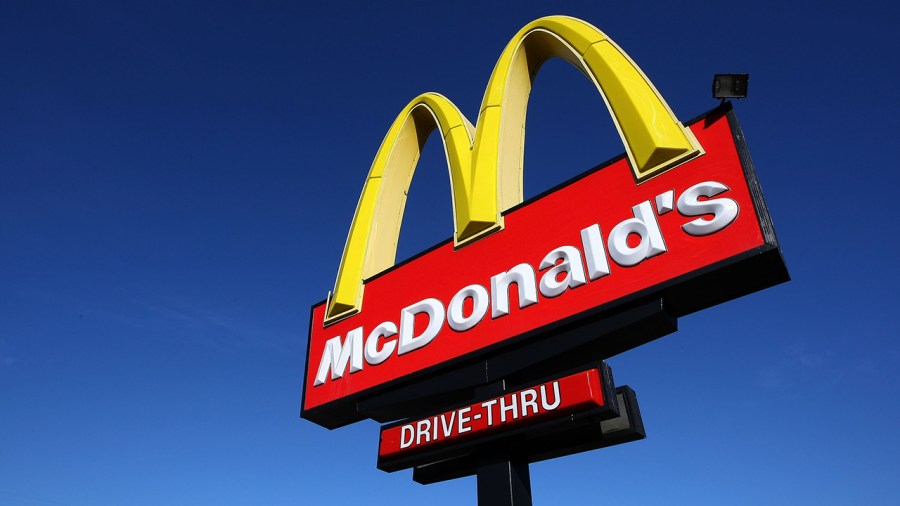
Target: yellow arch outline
(485, 163)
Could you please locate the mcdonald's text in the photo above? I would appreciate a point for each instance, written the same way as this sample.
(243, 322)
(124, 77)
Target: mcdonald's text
(567, 267)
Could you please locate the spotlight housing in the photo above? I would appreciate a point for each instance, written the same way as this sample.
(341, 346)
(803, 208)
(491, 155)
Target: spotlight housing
(730, 85)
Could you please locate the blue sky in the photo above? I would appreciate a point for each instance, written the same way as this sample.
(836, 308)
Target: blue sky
(176, 184)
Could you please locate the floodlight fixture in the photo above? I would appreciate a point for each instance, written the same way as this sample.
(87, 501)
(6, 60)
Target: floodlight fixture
(730, 86)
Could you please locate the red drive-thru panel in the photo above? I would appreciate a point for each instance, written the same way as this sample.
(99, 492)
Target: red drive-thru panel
(574, 393)
(588, 245)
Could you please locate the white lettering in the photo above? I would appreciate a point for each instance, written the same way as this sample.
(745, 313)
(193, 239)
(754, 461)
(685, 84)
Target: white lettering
(374, 356)
(447, 425)
(455, 318)
(423, 430)
(335, 356)
(569, 265)
(488, 405)
(524, 278)
(665, 202)
(629, 243)
(435, 311)
(463, 420)
(512, 406)
(529, 398)
(724, 210)
(404, 443)
(547, 405)
(645, 226)
(594, 252)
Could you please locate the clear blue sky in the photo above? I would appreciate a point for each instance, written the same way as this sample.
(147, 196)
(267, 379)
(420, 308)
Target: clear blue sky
(177, 180)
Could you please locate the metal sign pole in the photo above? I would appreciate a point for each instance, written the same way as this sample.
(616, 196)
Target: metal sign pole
(504, 483)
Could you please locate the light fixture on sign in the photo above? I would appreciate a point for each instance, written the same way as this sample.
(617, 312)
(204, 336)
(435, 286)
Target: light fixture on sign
(730, 85)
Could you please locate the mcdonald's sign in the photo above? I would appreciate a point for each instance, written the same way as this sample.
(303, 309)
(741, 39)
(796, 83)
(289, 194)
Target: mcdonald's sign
(678, 218)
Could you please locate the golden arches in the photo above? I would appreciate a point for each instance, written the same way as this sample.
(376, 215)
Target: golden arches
(372, 242)
(485, 163)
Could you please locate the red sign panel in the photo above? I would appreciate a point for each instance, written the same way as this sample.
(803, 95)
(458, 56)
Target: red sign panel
(593, 242)
(575, 393)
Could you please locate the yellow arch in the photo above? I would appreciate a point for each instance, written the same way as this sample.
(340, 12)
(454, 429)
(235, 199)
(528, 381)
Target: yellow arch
(485, 163)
